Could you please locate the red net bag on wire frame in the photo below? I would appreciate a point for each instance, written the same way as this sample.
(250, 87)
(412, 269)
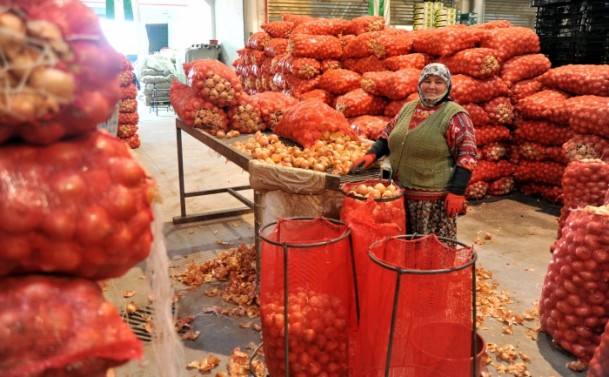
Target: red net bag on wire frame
(417, 318)
(307, 298)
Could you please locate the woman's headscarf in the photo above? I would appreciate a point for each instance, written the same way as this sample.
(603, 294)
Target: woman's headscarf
(441, 71)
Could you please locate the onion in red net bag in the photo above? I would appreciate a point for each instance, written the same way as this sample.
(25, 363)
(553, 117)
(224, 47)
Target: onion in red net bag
(315, 46)
(493, 151)
(276, 46)
(245, 116)
(499, 110)
(328, 64)
(580, 79)
(307, 121)
(393, 85)
(501, 186)
(581, 146)
(538, 105)
(510, 41)
(61, 74)
(551, 193)
(214, 81)
(445, 41)
(340, 81)
(525, 88)
(258, 40)
(295, 86)
(196, 112)
(476, 62)
(278, 29)
(573, 304)
(490, 134)
(322, 26)
(393, 107)
(413, 60)
(363, 24)
(359, 102)
(490, 171)
(272, 106)
(80, 207)
(524, 67)
(369, 126)
(599, 364)
(57, 326)
(467, 89)
(590, 115)
(304, 68)
(546, 172)
(362, 65)
(543, 132)
(476, 190)
(382, 44)
(538, 152)
(479, 116)
(320, 94)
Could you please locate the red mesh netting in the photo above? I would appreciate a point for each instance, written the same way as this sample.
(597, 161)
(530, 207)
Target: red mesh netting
(599, 365)
(317, 263)
(433, 309)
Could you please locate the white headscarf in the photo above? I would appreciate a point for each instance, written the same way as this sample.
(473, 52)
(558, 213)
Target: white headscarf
(441, 71)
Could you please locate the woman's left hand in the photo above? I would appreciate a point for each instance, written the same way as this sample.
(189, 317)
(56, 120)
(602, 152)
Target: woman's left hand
(455, 204)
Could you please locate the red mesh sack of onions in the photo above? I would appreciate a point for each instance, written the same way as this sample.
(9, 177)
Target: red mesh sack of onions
(245, 116)
(61, 74)
(369, 126)
(393, 107)
(304, 68)
(590, 115)
(584, 183)
(319, 94)
(524, 67)
(278, 29)
(359, 102)
(538, 152)
(510, 41)
(276, 46)
(546, 172)
(295, 85)
(196, 112)
(580, 79)
(413, 60)
(214, 81)
(322, 26)
(501, 186)
(296, 19)
(573, 304)
(543, 132)
(393, 85)
(382, 44)
(251, 56)
(56, 326)
(599, 364)
(476, 190)
(479, 116)
(477, 62)
(80, 207)
(445, 41)
(538, 105)
(582, 146)
(490, 171)
(525, 88)
(126, 130)
(328, 64)
(340, 81)
(466, 89)
(552, 194)
(363, 65)
(500, 110)
(363, 24)
(129, 91)
(131, 118)
(307, 121)
(493, 151)
(272, 106)
(315, 46)
(490, 134)
(258, 40)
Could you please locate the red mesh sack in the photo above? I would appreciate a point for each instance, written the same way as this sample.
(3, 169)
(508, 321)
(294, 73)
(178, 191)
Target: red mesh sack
(492, 25)
(500, 110)
(433, 302)
(313, 256)
(525, 88)
(393, 85)
(538, 152)
(490, 134)
(132, 118)
(62, 75)
(252, 56)
(278, 29)
(476, 190)
(579, 79)
(537, 106)
(393, 108)
(319, 94)
(490, 171)
(258, 40)
(296, 19)
(510, 41)
(476, 62)
(55, 326)
(245, 116)
(359, 102)
(551, 193)
(363, 65)
(445, 41)
(546, 172)
(296, 86)
(413, 60)
(581, 146)
(276, 46)
(467, 89)
(501, 186)
(272, 106)
(479, 116)
(590, 115)
(340, 81)
(127, 106)
(129, 92)
(543, 132)
(315, 46)
(524, 67)
(322, 26)
(573, 300)
(307, 121)
(125, 130)
(599, 364)
(382, 44)
(363, 24)
(125, 78)
(214, 81)
(328, 64)
(369, 126)
(133, 141)
(196, 112)
(79, 207)
(493, 151)
(304, 68)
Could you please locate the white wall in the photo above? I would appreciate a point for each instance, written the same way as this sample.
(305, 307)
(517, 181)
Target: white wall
(230, 28)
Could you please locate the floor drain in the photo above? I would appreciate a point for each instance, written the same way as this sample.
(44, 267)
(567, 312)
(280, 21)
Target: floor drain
(140, 321)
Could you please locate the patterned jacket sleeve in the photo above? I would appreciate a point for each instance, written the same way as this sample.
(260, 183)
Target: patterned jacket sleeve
(461, 141)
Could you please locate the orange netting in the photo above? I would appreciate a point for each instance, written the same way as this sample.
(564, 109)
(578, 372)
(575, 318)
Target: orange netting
(425, 287)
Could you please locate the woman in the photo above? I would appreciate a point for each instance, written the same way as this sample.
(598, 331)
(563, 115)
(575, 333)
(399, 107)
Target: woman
(432, 151)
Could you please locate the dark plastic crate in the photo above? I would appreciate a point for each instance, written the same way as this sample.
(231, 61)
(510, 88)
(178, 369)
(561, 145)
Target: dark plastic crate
(541, 3)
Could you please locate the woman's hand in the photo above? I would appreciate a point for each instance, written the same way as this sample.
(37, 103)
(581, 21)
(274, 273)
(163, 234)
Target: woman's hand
(362, 163)
(455, 204)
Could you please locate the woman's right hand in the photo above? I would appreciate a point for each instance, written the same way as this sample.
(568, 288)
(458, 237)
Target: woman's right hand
(362, 163)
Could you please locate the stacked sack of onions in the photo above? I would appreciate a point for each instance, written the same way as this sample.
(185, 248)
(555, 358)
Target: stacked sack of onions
(128, 117)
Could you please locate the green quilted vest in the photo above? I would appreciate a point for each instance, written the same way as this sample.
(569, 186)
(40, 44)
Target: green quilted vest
(421, 156)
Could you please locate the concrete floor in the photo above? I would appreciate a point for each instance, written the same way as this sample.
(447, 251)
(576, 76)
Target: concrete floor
(522, 230)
